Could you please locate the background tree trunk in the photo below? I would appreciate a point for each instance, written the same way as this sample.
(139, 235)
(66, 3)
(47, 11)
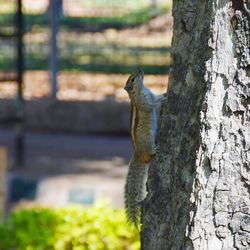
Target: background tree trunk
(199, 182)
(153, 3)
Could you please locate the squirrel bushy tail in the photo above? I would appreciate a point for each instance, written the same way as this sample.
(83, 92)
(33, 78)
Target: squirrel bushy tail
(135, 190)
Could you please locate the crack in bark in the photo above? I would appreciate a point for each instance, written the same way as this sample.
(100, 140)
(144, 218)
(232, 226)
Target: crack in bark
(238, 4)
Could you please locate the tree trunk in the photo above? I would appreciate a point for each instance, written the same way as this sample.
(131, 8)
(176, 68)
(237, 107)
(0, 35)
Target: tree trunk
(199, 181)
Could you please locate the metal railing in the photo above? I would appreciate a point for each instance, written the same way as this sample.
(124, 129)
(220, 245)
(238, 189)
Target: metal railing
(17, 77)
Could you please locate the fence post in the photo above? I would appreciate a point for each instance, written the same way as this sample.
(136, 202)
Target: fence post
(3, 188)
(19, 142)
(53, 16)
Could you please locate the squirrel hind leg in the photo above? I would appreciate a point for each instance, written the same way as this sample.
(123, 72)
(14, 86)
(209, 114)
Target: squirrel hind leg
(147, 157)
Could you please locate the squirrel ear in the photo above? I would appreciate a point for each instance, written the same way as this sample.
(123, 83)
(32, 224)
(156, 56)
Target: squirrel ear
(140, 71)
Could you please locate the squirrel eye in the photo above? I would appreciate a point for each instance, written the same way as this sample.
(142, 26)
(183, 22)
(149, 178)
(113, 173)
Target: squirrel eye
(133, 79)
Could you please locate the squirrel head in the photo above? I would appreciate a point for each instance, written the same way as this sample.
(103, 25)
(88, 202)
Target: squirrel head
(135, 81)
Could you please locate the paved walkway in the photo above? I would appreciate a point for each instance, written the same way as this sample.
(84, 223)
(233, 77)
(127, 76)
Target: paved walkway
(69, 168)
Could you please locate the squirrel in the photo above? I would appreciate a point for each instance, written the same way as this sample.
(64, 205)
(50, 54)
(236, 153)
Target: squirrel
(143, 126)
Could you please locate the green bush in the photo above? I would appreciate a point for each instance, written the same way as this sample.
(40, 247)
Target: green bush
(72, 228)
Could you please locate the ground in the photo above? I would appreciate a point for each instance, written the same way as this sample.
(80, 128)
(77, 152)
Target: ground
(55, 162)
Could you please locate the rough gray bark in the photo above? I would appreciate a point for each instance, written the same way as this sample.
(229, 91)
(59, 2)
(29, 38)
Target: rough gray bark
(199, 182)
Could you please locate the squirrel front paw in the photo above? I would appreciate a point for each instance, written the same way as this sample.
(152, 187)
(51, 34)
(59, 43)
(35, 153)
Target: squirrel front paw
(157, 149)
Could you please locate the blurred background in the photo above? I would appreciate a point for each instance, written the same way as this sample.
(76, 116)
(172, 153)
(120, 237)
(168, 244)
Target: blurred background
(64, 116)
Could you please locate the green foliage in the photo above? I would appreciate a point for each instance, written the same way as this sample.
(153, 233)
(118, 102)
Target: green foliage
(82, 55)
(132, 19)
(72, 228)
(98, 23)
(114, 3)
(27, 229)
